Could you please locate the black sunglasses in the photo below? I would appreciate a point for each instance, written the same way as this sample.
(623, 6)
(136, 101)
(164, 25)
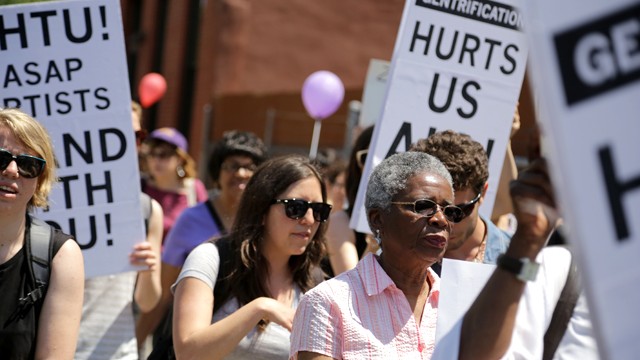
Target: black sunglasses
(28, 166)
(428, 208)
(361, 157)
(467, 208)
(296, 208)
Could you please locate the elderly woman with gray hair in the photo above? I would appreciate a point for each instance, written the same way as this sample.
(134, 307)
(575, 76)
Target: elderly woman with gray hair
(386, 308)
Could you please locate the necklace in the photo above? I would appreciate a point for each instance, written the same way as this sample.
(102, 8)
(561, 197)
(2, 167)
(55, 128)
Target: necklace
(479, 258)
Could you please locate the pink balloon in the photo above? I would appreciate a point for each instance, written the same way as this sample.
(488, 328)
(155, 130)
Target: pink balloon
(322, 94)
(151, 89)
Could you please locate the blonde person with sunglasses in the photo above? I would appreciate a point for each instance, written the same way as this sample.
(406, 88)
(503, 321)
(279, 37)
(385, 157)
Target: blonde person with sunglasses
(272, 256)
(33, 326)
(171, 174)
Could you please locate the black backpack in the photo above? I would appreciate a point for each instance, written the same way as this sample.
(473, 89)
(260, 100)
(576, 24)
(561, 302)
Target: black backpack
(39, 252)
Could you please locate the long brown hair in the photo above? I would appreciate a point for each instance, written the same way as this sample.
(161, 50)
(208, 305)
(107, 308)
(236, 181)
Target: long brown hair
(248, 279)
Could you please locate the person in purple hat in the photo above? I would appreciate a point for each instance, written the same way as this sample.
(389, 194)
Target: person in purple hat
(172, 174)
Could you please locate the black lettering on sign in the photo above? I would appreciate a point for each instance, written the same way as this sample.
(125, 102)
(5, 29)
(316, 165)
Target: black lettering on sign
(600, 56)
(616, 190)
(486, 11)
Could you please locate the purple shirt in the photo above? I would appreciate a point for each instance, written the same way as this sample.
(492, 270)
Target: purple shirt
(194, 226)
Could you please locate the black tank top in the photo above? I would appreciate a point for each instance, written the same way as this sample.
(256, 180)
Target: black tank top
(18, 329)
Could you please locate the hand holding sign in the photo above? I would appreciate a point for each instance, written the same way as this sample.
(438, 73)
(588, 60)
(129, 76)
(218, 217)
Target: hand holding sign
(151, 89)
(322, 94)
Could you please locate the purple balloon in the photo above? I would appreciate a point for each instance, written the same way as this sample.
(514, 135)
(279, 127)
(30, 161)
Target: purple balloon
(322, 94)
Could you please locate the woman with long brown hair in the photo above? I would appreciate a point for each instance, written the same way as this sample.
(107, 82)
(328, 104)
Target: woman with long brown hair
(271, 256)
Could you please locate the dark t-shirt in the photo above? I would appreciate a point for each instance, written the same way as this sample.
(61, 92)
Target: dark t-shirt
(18, 328)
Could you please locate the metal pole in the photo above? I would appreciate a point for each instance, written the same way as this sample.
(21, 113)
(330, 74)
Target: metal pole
(314, 141)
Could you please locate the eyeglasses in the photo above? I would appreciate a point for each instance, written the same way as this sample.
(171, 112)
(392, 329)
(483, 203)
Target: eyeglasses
(428, 208)
(361, 157)
(28, 166)
(467, 208)
(234, 167)
(296, 208)
(141, 135)
(161, 153)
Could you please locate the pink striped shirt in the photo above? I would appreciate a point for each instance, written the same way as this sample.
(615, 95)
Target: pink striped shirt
(361, 314)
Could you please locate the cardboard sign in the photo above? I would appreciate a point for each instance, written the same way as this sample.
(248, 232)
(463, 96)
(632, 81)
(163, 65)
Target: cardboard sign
(64, 63)
(373, 93)
(456, 65)
(586, 72)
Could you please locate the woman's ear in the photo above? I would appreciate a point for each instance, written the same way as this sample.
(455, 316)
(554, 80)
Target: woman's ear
(375, 219)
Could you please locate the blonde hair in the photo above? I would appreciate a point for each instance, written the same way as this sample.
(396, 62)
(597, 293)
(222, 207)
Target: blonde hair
(34, 136)
(189, 165)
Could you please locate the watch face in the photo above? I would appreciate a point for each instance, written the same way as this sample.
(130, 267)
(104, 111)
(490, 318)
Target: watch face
(529, 270)
(524, 269)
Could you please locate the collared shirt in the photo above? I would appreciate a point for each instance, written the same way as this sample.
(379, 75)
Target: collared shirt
(362, 314)
(497, 242)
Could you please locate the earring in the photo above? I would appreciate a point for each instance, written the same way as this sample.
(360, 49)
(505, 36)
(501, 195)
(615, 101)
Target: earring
(180, 171)
(377, 237)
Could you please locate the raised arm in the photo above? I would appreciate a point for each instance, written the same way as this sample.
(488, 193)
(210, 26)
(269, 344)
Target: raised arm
(60, 317)
(493, 313)
(148, 289)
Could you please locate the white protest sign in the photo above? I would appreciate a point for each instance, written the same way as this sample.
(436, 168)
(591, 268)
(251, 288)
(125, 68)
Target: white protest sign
(65, 64)
(375, 85)
(586, 68)
(456, 65)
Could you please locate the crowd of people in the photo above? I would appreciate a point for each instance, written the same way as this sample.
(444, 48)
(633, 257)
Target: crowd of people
(263, 263)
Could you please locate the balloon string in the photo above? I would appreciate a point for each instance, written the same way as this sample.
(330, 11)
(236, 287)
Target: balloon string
(314, 140)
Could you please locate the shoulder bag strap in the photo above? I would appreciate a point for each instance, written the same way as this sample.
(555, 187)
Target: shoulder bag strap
(562, 313)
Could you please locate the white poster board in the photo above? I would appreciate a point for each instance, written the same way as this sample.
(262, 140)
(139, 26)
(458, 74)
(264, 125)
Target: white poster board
(586, 70)
(373, 92)
(454, 67)
(64, 63)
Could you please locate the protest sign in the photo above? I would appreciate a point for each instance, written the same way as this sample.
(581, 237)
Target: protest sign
(375, 84)
(64, 63)
(456, 65)
(586, 73)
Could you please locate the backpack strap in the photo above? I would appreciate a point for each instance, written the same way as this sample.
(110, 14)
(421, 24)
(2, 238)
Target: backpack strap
(222, 290)
(563, 312)
(147, 209)
(216, 218)
(39, 247)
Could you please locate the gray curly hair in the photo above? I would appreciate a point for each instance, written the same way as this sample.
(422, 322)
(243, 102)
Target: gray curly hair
(390, 177)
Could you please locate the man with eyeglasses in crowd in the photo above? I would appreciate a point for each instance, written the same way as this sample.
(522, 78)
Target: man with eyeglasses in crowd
(475, 238)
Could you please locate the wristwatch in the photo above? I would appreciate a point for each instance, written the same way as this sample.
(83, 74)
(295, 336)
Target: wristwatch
(524, 269)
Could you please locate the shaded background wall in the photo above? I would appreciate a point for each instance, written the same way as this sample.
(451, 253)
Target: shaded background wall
(240, 64)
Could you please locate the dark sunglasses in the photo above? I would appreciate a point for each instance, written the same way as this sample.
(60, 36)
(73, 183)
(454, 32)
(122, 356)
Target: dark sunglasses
(361, 157)
(428, 208)
(28, 166)
(296, 208)
(467, 208)
(161, 153)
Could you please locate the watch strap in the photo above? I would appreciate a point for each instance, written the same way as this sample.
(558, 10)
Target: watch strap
(524, 269)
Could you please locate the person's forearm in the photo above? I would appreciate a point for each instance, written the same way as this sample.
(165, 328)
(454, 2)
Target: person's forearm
(148, 290)
(221, 338)
(488, 326)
